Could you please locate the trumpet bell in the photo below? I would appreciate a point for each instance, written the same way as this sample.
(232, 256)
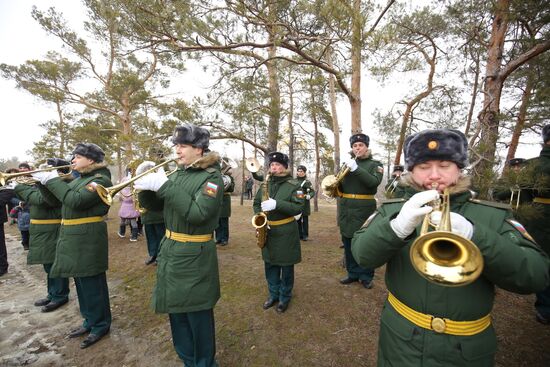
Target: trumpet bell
(252, 165)
(446, 258)
(105, 194)
(329, 186)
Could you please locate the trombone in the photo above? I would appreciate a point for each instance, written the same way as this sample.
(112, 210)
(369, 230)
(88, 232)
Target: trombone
(444, 257)
(5, 177)
(106, 194)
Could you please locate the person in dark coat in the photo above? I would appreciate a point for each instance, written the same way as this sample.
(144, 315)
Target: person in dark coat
(188, 282)
(357, 203)
(309, 193)
(426, 322)
(393, 189)
(45, 223)
(282, 248)
(249, 184)
(539, 198)
(222, 231)
(82, 248)
(6, 195)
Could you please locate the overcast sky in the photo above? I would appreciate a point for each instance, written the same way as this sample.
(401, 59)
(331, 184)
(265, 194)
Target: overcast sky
(21, 38)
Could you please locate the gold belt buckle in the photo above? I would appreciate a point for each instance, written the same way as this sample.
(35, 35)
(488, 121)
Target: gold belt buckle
(438, 325)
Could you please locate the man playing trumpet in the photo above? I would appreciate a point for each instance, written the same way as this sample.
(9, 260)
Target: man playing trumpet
(430, 323)
(188, 282)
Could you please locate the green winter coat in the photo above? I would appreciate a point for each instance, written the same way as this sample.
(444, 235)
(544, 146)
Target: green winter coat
(187, 272)
(225, 211)
(82, 249)
(364, 180)
(512, 262)
(153, 213)
(283, 241)
(307, 188)
(43, 237)
(538, 225)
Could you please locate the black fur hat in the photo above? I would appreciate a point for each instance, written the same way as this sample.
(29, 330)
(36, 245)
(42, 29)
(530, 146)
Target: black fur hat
(359, 138)
(58, 162)
(546, 133)
(301, 168)
(195, 136)
(516, 161)
(441, 144)
(89, 150)
(278, 157)
(398, 167)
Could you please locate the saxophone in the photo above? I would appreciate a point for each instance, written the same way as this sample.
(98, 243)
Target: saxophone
(259, 220)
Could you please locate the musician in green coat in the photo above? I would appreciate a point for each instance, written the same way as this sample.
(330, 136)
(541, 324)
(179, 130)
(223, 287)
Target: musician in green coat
(357, 203)
(45, 210)
(222, 231)
(188, 282)
(284, 200)
(427, 323)
(393, 189)
(82, 249)
(309, 193)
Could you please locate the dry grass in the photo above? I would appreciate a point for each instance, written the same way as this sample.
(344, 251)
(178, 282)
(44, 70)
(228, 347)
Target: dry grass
(327, 324)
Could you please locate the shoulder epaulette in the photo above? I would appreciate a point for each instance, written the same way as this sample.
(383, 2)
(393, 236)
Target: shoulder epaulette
(98, 175)
(391, 201)
(490, 203)
(294, 182)
(210, 169)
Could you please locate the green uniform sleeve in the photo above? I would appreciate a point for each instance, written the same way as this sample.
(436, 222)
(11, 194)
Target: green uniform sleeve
(294, 205)
(370, 176)
(511, 260)
(150, 200)
(376, 243)
(258, 201)
(81, 198)
(29, 194)
(203, 205)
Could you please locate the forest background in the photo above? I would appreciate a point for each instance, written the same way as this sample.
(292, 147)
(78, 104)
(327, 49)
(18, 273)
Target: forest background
(296, 76)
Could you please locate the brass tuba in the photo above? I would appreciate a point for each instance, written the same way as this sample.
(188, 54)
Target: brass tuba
(107, 194)
(259, 220)
(330, 184)
(444, 257)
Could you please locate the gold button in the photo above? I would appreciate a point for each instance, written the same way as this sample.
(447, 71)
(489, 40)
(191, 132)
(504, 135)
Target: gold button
(438, 325)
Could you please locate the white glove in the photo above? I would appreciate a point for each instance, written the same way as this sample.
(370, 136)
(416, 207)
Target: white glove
(412, 213)
(459, 224)
(308, 196)
(45, 176)
(352, 164)
(144, 166)
(152, 181)
(269, 204)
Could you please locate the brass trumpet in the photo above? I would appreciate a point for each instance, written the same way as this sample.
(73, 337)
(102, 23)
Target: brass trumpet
(106, 194)
(5, 177)
(444, 257)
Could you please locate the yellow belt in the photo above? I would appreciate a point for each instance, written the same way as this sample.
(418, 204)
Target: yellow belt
(45, 221)
(281, 221)
(541, 200)
(184, 237)
(74, 222)
(438, 324)
(357, 196)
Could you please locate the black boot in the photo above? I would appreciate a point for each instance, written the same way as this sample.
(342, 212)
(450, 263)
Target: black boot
(134, 235)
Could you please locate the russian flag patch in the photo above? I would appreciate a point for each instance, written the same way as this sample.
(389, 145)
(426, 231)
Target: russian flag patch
(211, 189)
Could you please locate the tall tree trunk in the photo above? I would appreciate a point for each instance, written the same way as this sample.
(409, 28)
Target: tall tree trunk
(489, 116)
(474, 94)
(291, 127)
(316, 143)
(334, 115)
(520, 124)
(356, 46)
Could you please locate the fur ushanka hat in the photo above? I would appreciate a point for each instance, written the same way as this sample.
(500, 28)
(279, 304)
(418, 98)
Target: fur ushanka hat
(440, 144)
(188, 134)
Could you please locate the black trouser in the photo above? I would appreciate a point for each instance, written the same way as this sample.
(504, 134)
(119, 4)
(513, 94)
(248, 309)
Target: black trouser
(303, 226)
(3, 251)
(222, 232)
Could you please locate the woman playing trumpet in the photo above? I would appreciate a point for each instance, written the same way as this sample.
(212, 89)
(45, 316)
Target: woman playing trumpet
(427, 323)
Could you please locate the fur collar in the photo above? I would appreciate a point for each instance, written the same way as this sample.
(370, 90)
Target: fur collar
(286, 172)
(463, 183)
(207, 160)
(367, 155)
(92, 167)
